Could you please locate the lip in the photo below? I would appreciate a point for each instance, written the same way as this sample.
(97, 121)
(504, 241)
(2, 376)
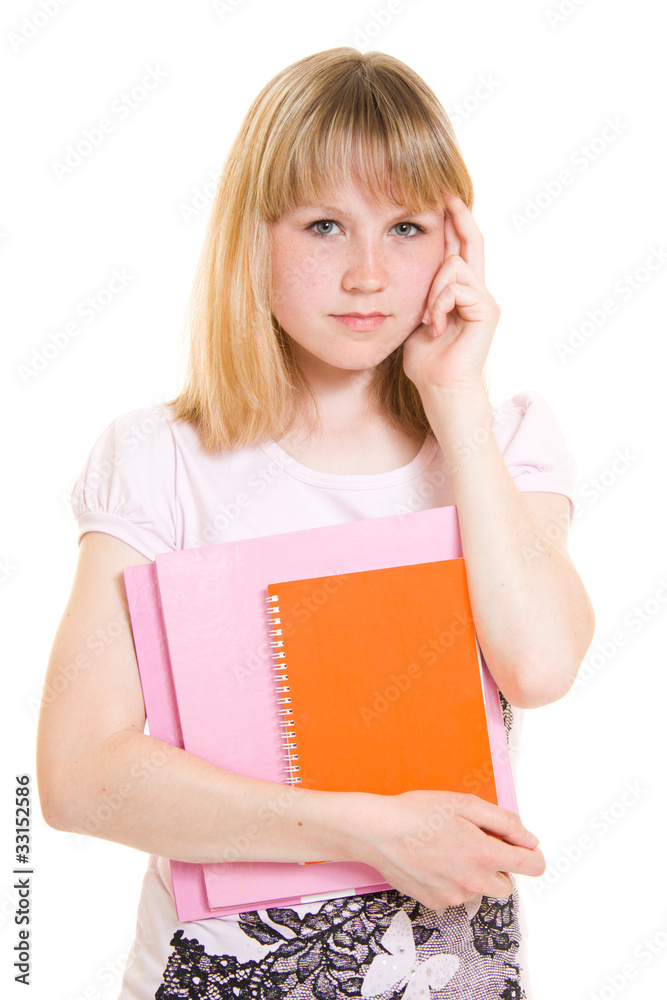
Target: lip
(361, 321)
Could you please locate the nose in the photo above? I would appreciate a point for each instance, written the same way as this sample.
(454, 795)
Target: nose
(365, 269)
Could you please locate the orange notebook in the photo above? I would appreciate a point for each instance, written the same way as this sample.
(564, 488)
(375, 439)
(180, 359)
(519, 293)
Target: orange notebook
(379, 681)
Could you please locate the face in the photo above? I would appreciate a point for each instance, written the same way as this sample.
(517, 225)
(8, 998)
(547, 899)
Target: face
(347, 255)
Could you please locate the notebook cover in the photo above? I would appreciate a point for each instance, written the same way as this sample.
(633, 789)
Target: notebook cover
(379, 676)
(161, 710)
(226, 583)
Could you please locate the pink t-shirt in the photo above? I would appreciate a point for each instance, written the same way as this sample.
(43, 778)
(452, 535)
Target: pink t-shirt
(148, 482)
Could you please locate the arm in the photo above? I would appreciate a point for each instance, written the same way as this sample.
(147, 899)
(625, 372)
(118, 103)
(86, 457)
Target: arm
(532, 614)
(99, 774)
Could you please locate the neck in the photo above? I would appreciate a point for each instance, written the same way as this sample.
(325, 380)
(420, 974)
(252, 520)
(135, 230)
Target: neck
(343, 397)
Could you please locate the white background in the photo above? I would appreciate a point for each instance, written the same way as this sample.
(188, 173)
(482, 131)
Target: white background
(552, 83)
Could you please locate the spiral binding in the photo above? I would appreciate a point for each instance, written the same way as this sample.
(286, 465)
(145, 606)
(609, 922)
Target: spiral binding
(288, 737)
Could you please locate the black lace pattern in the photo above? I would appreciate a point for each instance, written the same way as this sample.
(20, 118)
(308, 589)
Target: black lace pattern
(382, 945)
(508, 715)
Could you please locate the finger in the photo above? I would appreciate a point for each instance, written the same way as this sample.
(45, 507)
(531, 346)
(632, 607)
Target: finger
(507, 858)
(496, 820)
(469, 302)
(455, 270)
(452, 239)
(493, 855)
(501, 886)
(462, 232)
(454, 293)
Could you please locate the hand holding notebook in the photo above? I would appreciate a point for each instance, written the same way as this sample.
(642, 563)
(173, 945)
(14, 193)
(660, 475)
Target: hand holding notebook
(445, 852)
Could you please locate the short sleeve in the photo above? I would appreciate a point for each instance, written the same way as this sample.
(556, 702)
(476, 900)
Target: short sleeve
(127, 484)
(533, 447)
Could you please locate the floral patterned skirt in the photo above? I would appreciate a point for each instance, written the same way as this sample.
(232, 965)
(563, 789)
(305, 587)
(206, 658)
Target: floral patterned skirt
(383, 945)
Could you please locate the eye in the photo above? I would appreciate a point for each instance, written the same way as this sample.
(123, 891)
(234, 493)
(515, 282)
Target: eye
(414, 225)
(321, 222)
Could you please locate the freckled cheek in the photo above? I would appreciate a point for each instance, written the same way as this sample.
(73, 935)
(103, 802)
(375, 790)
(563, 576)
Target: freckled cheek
(416, 281)
(301, 280)
(288, 279)
(286, 265)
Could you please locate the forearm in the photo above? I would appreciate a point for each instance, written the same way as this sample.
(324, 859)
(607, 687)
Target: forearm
(440, 847)
(532, 614)
(141, 792)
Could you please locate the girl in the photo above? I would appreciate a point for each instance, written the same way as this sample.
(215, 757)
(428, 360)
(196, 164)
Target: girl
(339, 329)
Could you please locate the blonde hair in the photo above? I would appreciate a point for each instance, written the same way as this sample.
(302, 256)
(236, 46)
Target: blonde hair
(342, 114)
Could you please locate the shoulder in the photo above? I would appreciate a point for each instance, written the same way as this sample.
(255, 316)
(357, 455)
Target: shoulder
(127, 483)
(137, 443)
(527, 421)
(532, 444)
(509, 415)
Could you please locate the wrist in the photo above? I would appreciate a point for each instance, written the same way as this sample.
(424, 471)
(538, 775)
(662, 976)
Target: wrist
(332, 819)
(458, 397)
(458, 416)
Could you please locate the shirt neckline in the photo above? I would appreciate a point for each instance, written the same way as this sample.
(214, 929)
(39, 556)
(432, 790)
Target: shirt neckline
(352, 481)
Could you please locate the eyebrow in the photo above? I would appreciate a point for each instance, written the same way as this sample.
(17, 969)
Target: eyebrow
(334, 210)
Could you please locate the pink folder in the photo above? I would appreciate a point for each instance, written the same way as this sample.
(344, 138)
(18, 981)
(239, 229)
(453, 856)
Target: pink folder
(212, 671)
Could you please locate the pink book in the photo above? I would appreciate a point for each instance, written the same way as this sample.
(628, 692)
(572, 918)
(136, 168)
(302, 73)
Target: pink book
(214, 675)
(161, 711)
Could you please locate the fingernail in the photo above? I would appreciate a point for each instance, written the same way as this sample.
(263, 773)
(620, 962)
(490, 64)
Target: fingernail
(427, 317)
(532, 839)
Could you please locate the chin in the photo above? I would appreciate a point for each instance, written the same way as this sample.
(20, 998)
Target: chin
(353, 355)
(366, 361)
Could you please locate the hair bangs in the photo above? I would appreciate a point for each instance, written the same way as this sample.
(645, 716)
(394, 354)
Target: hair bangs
(364, 126)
